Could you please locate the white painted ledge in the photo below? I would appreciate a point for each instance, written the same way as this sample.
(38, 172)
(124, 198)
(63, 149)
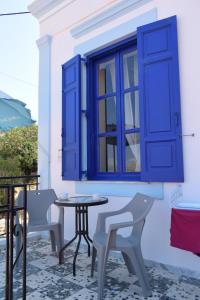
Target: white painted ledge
(106, 16)
(39, 8)
(115, 34)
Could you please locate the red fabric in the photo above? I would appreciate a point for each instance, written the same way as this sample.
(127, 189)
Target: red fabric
(185, 230)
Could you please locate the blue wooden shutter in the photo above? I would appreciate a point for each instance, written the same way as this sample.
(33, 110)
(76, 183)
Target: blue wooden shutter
(71, 119)
(161, 139)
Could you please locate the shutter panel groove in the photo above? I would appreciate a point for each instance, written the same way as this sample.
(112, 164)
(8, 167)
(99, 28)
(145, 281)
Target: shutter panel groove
(71, 119)
(161, 138)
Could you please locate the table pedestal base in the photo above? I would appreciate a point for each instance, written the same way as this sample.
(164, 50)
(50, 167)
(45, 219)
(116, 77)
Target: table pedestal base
(81, 229)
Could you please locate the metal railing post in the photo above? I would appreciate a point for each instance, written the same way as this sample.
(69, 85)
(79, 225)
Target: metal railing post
(24, 241)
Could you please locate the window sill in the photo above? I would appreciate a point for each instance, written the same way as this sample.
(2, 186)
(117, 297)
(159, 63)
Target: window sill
(119, 188)
(110, 181)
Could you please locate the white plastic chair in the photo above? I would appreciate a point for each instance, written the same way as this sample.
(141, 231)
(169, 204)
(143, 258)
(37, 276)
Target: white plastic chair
(130, 246)
(38, 202)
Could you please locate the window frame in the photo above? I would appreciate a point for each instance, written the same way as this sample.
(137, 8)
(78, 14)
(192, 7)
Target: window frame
(92, 152)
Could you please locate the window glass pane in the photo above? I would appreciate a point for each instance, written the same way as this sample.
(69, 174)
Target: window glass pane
(130, 66)
(108, 154)
(131, 110)
(106, 77)
(107, 114)
(132, 145)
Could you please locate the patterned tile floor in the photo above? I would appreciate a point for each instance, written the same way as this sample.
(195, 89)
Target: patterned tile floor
(48, 280)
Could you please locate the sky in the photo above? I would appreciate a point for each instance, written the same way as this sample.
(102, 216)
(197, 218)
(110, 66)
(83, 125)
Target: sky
(19, 54)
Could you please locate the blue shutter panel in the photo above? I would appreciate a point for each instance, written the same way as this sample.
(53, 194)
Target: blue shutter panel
(161, 137)
(71, 119)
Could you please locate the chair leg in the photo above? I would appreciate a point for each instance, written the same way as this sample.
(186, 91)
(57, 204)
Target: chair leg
(53, 242)
(94, 255)
(102, 259)
(128, 263)
(139, 272)
(57, 239)
(141, 261)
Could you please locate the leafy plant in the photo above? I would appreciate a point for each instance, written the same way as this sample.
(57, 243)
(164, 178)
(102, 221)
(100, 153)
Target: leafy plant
(20, 144)
(8, 168)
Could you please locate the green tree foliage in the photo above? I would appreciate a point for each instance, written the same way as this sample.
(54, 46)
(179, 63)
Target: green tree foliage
(20, 144)
(8, 168)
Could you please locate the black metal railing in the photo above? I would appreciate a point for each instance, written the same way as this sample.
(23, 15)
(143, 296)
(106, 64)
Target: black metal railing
(9, 210)
(29, 180)
(10, 228)
(32, 183)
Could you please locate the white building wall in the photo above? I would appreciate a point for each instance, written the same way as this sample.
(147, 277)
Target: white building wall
(58, 24)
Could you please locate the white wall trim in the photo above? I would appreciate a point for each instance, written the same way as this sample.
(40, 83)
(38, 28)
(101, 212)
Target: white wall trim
(106, 16)
(44, 124)
(43, 40)
(115, 34)
(39, 8)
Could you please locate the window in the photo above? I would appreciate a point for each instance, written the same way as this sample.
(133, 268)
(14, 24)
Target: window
(116, 126)
(133, 109)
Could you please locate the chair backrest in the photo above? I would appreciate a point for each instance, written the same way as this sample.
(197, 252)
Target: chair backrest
(38, 202)
(139, 207)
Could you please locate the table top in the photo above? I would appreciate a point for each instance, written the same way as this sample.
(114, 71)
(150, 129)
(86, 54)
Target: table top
(81, 201)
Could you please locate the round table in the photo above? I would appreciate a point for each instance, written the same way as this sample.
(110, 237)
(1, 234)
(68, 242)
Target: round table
(81, 204)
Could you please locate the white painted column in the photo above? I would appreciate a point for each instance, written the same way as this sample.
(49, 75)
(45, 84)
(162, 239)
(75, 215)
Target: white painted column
(44, 108)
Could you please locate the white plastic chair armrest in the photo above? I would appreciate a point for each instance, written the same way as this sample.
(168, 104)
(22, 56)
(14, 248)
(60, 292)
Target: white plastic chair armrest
(116, 226)
(103, 216)
(112, 231)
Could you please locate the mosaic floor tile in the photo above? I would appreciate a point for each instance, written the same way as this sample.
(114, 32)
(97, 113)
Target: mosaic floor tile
(62, 270)
(83, 294)
(45, 262)
(37, 244)
(135, 294)
(2, 280)
(156, 273)
(17, 291)
(2, 254)
(33, 255)
(82, 277)
(183, 291)
(122, 274)
(30, 269)
(160, 285)
(189, 280)
(110, 266)
(112, 286)
(2, 274)
(82, 260)
(48, 280)
(37, 296)
(41, 279)
(61, 290)
(68, 253)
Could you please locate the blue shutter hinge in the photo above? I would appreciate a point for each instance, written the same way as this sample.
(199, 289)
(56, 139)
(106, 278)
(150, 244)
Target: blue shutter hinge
(85, 60)
(85, 112)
